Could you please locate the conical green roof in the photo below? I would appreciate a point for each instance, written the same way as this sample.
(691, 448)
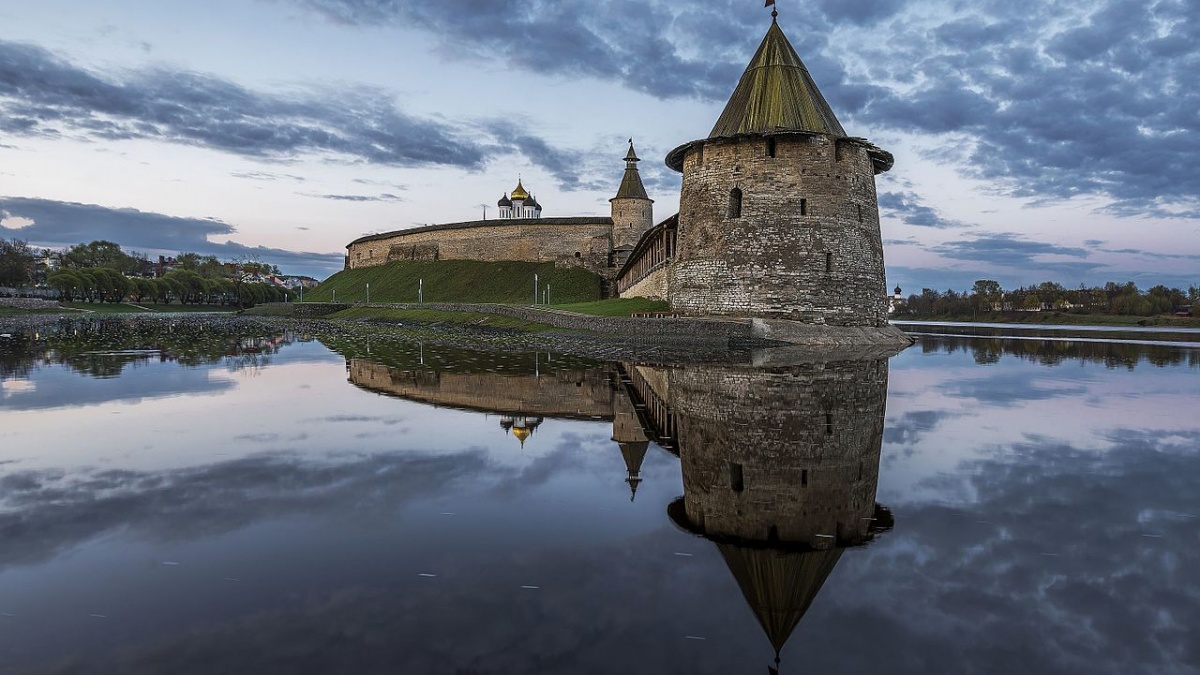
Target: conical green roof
(631, 182)
(776, 94)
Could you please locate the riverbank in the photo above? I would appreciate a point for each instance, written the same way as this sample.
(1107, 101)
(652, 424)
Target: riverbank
(1060, 319)
(380, 328)
(656, 328)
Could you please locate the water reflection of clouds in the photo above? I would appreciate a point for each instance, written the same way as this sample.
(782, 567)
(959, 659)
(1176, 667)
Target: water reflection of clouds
(47, 512)
(1063, 560)
(56, 387)
(942, 412)
(16, 387)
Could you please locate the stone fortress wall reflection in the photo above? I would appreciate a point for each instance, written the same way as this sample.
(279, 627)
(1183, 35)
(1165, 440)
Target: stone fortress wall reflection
(780, 465)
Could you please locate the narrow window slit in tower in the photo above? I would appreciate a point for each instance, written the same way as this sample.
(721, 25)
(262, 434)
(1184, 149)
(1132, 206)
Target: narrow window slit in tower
(770, 147)
(828, 424)
(859, 214)
(828, 262)
(804, 478)
(735, 477)
(804, 207)
(735, 203)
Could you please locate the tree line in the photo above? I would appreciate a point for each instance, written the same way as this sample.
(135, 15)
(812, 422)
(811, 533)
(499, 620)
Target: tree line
(101, 271)
(987, 296)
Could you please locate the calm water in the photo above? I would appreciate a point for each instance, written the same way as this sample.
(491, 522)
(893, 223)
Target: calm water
(180, 498)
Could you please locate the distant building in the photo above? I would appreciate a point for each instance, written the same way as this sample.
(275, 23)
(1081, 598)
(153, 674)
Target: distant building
(520, 204)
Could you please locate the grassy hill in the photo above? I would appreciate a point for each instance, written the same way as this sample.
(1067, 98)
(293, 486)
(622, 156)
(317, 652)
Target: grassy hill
(458, 281)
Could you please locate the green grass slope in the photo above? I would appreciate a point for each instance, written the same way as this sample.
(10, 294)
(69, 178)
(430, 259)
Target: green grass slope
(458, 281)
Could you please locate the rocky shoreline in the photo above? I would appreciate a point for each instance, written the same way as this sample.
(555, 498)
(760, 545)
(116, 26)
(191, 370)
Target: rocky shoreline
(586, 344)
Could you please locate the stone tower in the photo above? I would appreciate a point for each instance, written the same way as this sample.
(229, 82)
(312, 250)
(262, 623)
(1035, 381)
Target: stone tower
(632, 209)
(778, 214)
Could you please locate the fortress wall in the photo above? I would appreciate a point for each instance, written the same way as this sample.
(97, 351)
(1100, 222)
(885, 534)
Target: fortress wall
(653, 286)
(806, 245)
(585, 393)
(806, 442)
(527, 241)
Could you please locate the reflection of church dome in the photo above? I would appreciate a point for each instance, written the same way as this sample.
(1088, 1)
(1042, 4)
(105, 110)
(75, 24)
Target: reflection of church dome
(521, 427)
(519, 193)
(504, 201)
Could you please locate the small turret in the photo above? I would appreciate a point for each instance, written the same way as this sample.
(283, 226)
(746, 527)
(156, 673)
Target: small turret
(632, 208)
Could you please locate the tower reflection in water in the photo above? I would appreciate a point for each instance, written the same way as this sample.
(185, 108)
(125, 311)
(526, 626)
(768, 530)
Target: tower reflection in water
(780, 470)
(780, 464)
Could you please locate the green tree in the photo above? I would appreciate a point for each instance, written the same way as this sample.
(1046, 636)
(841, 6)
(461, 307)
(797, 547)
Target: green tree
(99, 253)
(985, 293)
(16, 263)
(67, 283)
(188, 286)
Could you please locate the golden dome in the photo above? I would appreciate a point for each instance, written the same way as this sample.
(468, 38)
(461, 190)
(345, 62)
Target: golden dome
(522, 434)
(519, 192)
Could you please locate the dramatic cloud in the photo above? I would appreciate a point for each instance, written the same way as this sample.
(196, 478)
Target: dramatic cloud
(619, 40)
(43, 95)
(908, 207)
(1054, 99)
(1047, 101)
(60, 224)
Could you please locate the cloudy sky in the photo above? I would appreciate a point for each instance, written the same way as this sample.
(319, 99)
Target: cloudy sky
(1042, 140)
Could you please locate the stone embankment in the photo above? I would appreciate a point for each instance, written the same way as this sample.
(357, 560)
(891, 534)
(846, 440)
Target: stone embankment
(29, 303)
(716, 330)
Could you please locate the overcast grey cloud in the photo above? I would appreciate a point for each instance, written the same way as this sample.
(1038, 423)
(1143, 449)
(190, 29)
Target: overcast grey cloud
(68, 223)
(61, 224)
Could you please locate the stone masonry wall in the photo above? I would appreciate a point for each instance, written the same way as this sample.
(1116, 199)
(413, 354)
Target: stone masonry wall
(631, 219)
(794, 451)
(653, 286)
(806, 245)
(587, 244)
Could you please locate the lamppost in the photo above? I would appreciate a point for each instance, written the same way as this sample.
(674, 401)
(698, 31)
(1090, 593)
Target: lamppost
(368, 294)
(421, 291)
(535, 289)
